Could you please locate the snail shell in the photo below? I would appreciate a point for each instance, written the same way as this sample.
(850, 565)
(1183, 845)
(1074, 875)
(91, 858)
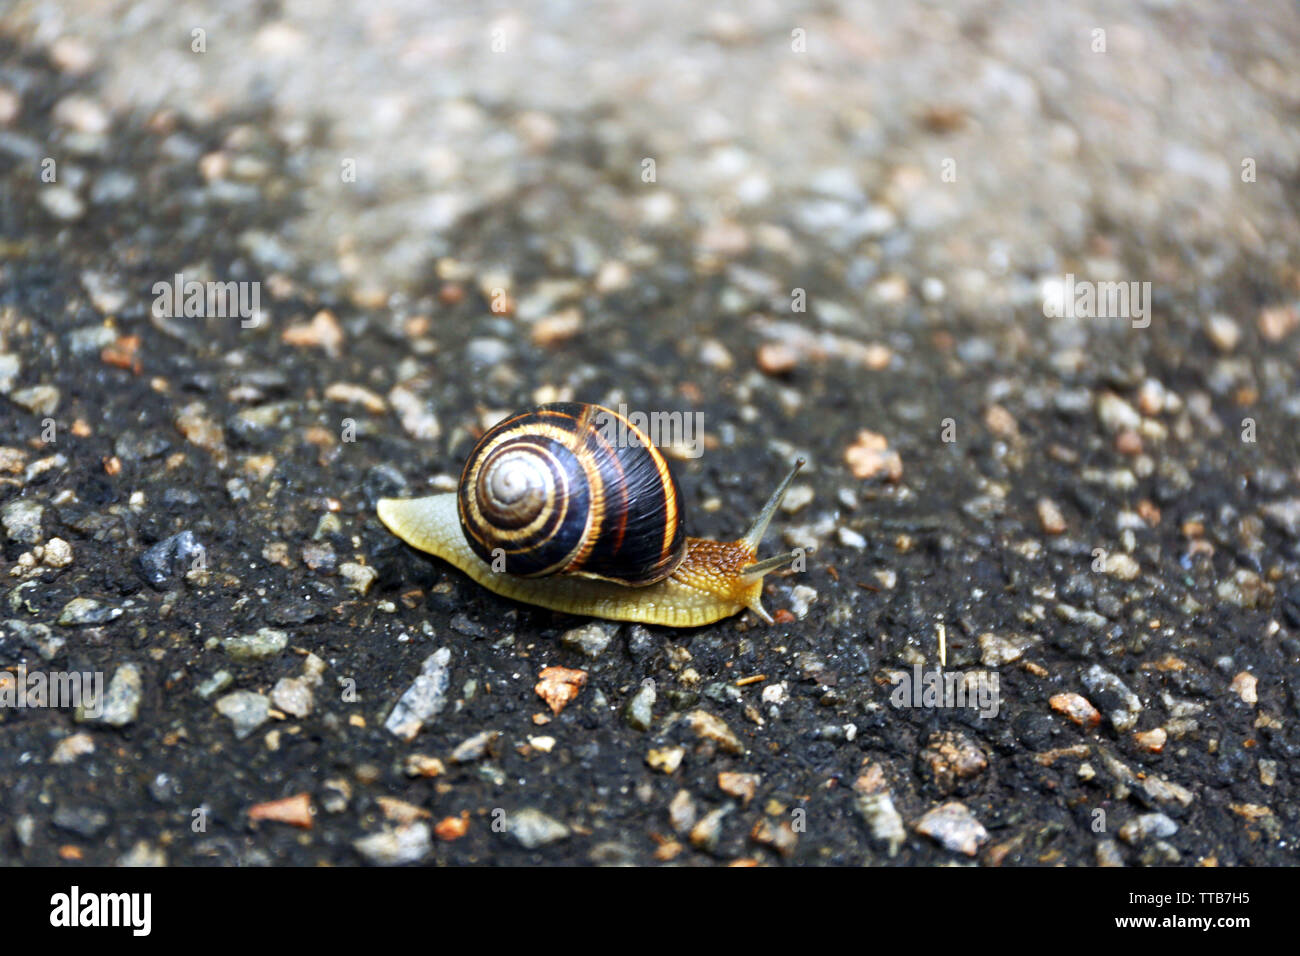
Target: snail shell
(551, 511)
(551, 493)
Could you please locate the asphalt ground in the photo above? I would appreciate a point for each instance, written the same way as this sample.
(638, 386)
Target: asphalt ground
(1097, 516)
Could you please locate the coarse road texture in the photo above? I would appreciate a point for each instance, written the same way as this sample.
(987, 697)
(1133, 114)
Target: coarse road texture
(832, 229)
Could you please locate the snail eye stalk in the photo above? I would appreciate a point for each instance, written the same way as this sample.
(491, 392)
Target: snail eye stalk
(754, 536)
(760, 568)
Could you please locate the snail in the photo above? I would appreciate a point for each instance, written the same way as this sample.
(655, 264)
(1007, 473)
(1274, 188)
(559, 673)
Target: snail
(552, 510)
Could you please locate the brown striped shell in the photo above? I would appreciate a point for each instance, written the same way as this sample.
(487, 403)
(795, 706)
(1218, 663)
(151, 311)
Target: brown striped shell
(572, 488)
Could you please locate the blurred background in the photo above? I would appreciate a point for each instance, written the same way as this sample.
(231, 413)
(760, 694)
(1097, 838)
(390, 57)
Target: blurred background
(1066, 142)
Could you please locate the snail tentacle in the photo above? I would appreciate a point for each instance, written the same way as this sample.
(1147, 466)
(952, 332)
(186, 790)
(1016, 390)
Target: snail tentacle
(754, 536)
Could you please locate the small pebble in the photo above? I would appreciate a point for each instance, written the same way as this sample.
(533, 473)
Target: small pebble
(83, 821)
(715, 355)
(410, 843)
(1147, 826)
(590, 640)
(1128, 442)
(142, 854)
(953, 826)
(1076, 707)
(777, 358)
(81, 612)
(1108, 854)
(1242, 588)
(558, 328)
(1277, 322)
(743, 786)
(802, 598)
(708, 829)
(296, 811)
(1050, 517)
(346, 393)
(422, 765)
(883, 819)
(358, 577)
(266, 643)
(665, 759)
(1152, 741)
(71, 747)
(533, 828)
(797, 497)
(203, 431)
(1120, 565)
(1268, 772)
(1244, 686)
(22, 520)
(39, 637)
(850, 538)
(39, 399)
(82, 114)
(319, 556)
(293, 695)
(780, 837)
(57, 553)
(709, 727)
(415, 414)
(1123, 707)
(1001, 422)
(487, 351)
(10, 106)
(163, 560)
(997, 649)
(1116, 414)
(932, 289)
(123, 696)
(215, 684)
(682, 812)
(870, 455)
(558, 686)
(464, 624)
(323, 332)
(476, 747)
(1223, 332)
(1151, 397)
(951, 756)
(640, 706)
(61, 202)
(245, 710)
(424, 699)
(452, 828)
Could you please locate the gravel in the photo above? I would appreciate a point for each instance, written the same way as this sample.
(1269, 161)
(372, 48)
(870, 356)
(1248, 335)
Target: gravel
(245, 710)
(591, 640)
(424, 699)
(533, 828)
(121, 705)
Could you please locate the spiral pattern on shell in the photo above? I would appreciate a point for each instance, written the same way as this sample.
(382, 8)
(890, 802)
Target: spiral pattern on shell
(557, 493)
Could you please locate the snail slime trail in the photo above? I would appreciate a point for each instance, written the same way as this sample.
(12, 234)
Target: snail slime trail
(586, 525)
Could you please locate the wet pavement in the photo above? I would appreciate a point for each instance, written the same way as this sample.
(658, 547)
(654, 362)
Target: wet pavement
(836, 234)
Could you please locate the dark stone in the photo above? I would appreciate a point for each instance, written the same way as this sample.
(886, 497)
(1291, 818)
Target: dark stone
(171, 556)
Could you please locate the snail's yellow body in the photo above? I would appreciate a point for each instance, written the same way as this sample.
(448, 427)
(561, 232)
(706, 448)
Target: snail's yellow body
(551, 511)
(700, 590)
